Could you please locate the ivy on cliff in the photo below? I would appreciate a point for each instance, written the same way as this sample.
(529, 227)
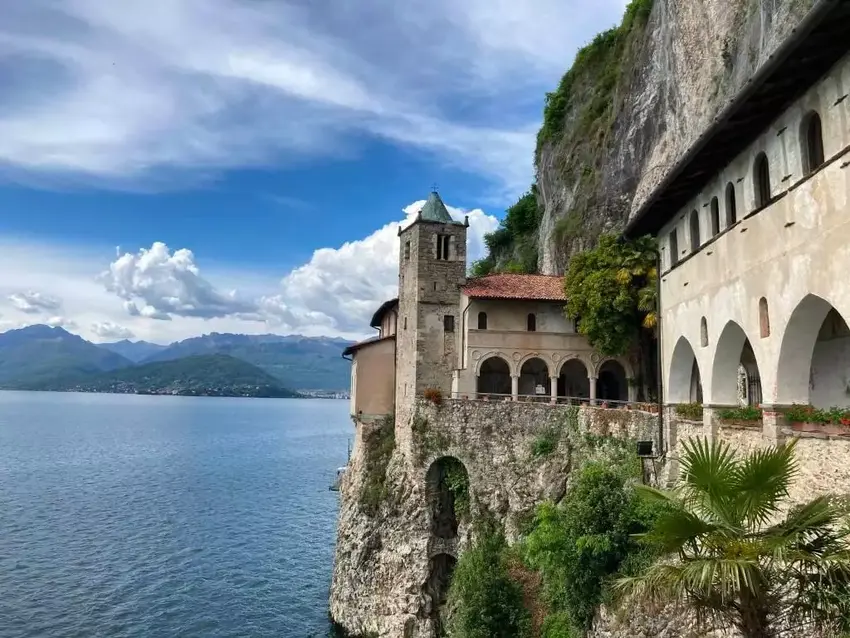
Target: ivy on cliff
(378, 446)
(512, 247)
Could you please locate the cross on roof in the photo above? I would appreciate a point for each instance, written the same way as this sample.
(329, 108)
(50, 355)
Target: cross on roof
(434, 187)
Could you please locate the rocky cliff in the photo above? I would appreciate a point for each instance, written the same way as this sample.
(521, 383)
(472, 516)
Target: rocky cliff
(632, 104)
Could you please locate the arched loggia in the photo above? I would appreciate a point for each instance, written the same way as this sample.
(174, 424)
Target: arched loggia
(733, 355)
(685, 383)
(814, 358)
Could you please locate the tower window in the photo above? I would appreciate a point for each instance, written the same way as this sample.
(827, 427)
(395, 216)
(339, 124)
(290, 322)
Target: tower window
(406, 250)
(761, 180)
(812, 142)
(674, 248)
(695, 240)
(482, 321)
(764, 319)
(443, 247)
(449, 323)
(532, 322)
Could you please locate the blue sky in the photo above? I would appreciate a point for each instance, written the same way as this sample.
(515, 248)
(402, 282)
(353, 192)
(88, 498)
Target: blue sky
(174, 167)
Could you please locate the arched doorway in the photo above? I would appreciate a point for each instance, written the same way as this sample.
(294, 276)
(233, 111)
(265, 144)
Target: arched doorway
(494, 377)
(814, 359)
(534, 378)
(448, 495)
(573, 380)
(734, 355)
(685, 383)
(440, 571)
(612, 383)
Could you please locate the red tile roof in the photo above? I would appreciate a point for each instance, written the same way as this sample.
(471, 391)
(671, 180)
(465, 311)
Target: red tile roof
(510, 286)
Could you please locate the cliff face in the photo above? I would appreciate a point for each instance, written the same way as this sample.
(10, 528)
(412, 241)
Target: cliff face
(634, 102)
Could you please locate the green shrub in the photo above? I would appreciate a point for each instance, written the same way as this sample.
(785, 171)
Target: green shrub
(558, 626)
(484, 601)
(743, 413)
(810, 414)
(692, 411)
(457, 482)
(580, 545)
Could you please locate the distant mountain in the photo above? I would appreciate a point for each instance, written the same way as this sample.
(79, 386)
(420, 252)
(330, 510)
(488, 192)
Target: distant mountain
(204, 375)
(37, 353)
(135, 351)
(302, 363)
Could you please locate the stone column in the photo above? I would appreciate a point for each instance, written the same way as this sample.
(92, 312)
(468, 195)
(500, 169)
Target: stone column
(632, 390)
(553, 385)
(515, 387)
(592, 381)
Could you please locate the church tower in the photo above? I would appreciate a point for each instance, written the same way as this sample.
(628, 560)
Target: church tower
(432, 269)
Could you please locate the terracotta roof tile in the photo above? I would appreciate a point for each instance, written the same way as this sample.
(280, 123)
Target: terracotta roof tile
(511, 286)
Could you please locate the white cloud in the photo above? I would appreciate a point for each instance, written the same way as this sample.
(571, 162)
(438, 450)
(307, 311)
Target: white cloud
(109, 330)
(136, 94)
(158, 284)
(33, 302)
(60, 322)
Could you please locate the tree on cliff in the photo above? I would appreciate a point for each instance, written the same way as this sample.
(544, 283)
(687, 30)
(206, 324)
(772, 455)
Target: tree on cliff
(732, 557)
(611, 290)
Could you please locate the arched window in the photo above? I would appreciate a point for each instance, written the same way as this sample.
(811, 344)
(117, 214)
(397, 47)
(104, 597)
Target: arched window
(703, 333)
(482, 321)
(764, 319)
(731, 210)
(811, 142)
(695, 242)
(532, 322)
(715, 216)
(761, 180)
(673, 240)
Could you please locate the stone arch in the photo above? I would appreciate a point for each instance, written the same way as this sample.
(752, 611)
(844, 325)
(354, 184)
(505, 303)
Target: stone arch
(811, 142)
(732, 352)
(814, 358)
(489, 355)
(573, 378)
(447, 482)
(612, 381)
(684, 384)
(493, 375)
(623, 361)
(534, 371)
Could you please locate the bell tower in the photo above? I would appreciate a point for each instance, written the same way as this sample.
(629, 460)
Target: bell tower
(431, 271)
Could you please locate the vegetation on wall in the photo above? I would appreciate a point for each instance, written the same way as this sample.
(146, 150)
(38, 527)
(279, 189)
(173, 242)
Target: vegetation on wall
(457, 483)
(731, 557)
(484, 601)
(378, 446)
(612, 291)
(581, 545)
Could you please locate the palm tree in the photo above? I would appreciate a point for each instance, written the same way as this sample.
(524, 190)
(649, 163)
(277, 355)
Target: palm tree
(730, 555)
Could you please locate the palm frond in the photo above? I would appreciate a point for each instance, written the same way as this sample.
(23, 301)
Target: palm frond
(761, 482)
(708, 479)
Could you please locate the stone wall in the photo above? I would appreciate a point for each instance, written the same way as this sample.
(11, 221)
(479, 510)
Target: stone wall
(382, 558)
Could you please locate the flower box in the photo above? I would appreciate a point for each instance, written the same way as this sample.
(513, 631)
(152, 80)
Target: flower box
(830, 429)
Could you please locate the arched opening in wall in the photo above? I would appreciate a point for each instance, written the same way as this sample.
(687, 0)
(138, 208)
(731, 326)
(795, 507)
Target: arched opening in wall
(703, 333)
(573, 380)
(764, 319)
(695, 239)
(531, 322)
(494, 377)
(482, 321)
(811, 142)
(685, 383)
(731, 206)
(448, 494)
(612, 384)
(715, 216)
(733, 355)
(814, 358)
(534, 378)
(761, 180)
(440, 571)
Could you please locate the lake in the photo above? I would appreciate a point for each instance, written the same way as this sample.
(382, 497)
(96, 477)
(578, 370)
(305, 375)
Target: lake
(145, 516)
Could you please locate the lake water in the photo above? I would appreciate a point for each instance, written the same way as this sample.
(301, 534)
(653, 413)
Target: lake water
(147, 516)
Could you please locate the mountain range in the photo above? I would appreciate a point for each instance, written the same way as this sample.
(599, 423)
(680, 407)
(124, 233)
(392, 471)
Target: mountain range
(41, 356)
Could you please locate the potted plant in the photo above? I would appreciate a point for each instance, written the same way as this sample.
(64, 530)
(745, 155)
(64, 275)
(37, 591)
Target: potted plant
(746, 415)
(807, 418)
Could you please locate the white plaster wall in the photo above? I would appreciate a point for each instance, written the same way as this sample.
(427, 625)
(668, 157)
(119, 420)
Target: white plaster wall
(830, 379)
(797, 246)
